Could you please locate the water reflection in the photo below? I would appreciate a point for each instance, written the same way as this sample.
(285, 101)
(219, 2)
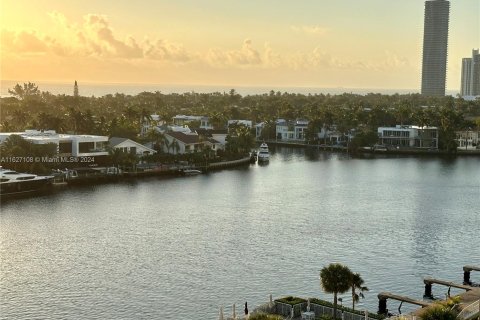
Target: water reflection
(139, 247)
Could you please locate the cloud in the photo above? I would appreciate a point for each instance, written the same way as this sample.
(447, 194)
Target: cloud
(313, 30)
(27, 42)
(246, 56)
(165, 50)
(103, 41)
(94, 38)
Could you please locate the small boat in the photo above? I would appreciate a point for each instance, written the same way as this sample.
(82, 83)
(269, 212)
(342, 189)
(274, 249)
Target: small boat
(263, 153)
(13, 183)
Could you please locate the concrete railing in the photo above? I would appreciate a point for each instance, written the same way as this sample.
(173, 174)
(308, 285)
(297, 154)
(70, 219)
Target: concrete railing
(286, 310)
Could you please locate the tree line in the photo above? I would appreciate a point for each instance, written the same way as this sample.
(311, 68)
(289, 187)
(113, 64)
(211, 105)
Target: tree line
(122, 115)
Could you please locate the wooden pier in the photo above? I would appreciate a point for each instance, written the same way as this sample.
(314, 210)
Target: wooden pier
(383, 296)
(466, 273)
(430, 281)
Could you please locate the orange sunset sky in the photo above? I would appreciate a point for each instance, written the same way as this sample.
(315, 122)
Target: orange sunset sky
(315, 43)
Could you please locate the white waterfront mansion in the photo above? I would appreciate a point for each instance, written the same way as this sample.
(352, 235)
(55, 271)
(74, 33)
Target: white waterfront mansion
(67, 144)
(409, 136)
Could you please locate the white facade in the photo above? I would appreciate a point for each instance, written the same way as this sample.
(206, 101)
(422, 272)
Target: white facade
(67, 144)
(409, 136)
(181, 143)
(220, 137)
(291, 130)
(332, 135)
(468, 140)
(130, 146)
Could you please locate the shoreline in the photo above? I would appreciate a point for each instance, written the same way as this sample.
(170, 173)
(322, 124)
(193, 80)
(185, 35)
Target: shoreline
(418, 152)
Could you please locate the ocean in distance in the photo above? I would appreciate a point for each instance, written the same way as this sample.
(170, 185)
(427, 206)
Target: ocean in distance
(179, 248)
(101, 89)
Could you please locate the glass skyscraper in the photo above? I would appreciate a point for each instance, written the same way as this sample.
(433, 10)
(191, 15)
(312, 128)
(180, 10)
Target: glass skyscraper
(435, 44)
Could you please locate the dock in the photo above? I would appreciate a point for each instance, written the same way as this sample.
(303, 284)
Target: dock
(430, 281)
(466, 273)
(383, 296)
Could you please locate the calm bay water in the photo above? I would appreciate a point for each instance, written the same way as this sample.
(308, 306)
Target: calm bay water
(181, 248)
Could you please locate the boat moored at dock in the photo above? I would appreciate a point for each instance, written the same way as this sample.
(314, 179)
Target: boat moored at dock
(263, 153)
(13, 183)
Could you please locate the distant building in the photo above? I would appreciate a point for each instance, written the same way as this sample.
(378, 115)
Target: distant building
(181, 120)
(258, 129)
(152, 123)
(67, 144)
(470, 82)
(246, 123)
(435, 45)
(334, 136)
(468, 140)
(291, 130)
(409, 136)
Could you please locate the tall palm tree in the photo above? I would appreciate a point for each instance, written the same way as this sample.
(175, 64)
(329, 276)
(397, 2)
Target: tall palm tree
(356, 282)
(335, 278)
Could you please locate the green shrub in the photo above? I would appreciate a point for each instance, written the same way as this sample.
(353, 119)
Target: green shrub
(439, 312)
(291, 300)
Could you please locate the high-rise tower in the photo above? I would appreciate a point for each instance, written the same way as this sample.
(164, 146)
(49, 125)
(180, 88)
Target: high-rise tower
(435, 44)
(470, 85)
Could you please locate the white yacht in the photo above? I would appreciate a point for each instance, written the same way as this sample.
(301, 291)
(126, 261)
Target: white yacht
(263, 153)
(12, 182)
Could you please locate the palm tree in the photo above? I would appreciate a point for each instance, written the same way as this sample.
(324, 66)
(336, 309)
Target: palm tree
(335, 278)
(246, 139)
(156, 138)
(356, 282)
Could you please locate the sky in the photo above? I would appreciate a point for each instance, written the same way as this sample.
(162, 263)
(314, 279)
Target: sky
(269, 43)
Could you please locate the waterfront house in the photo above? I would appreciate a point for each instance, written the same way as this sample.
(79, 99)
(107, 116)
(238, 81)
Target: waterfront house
(130, 146)
(214, 145)
(409, 137)
(153, 123)
(67, 144)
(181, 142)
(468, 140)
(333, 136)
(220, 135)
(291, 130)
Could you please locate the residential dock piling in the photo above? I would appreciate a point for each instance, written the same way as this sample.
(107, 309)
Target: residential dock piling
(430, 281)
(383, 296)
(466, 273)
